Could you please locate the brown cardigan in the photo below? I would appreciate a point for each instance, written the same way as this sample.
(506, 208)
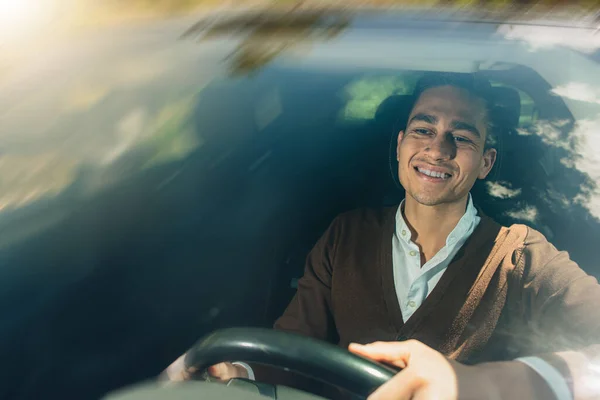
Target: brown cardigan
(507, 293)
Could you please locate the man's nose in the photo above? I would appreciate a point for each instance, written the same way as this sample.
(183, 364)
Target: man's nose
(441, 147)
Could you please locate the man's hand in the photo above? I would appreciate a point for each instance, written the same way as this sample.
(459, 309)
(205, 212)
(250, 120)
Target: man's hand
(426, 374)
(226, 371)
(177, 371)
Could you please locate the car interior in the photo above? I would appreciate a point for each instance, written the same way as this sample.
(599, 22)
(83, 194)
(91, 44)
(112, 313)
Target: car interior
(218, 239)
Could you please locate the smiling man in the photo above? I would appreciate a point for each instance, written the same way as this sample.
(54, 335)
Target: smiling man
(444, 285)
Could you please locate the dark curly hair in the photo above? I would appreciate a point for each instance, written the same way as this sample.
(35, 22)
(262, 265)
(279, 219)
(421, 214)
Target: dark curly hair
(475, 84)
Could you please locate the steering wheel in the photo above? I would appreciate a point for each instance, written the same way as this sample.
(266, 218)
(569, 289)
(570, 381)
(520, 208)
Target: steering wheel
(304, 355)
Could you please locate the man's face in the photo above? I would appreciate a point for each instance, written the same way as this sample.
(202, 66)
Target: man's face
(441, 152)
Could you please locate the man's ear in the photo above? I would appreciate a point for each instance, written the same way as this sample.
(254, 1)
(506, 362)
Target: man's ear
(400, 136)
(489, 158)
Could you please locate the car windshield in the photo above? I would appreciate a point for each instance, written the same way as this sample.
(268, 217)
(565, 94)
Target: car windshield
(160, 182)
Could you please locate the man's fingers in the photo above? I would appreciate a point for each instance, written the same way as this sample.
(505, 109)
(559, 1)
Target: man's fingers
(224, 371)
(403, 386)
(213, 370)
(396, 353)
(220, 370)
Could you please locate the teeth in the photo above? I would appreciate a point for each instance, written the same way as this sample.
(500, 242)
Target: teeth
(433, 174)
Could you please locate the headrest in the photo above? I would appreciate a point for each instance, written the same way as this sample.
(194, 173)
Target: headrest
(393, 112)
(507, 105)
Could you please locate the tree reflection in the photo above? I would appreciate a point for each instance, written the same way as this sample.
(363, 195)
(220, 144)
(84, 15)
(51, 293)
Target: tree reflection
(268, 35)
(538, 183)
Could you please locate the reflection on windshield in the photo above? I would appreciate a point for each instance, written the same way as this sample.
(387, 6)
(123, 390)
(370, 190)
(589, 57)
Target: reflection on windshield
(528, 213)
(502, 190)
(588, 161)
(539, 182)
(88, 90)
(266, 36)
(366, 94)
(545, 37)
(27, 177)
(149, 139)
(132, 114)
(172, 136)
(578, 91)
(580, 142)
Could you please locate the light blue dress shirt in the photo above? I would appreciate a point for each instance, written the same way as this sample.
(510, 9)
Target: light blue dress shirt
(414, 282)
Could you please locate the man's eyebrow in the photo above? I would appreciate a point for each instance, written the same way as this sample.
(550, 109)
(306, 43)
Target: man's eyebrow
(464, 126)
(428, 118)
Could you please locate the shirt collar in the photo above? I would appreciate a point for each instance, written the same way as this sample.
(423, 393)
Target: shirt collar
(460, 230)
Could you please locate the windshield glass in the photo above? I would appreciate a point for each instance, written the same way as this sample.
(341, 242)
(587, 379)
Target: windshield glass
(173, 181)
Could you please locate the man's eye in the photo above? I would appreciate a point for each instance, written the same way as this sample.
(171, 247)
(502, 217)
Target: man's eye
(421, 131)
(461, 139)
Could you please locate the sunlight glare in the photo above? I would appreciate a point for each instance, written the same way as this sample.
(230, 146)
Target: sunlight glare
(18, 17)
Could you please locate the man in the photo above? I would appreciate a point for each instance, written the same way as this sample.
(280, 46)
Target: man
(485, 307)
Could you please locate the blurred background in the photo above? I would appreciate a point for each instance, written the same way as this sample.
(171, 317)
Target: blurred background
(20, 18)
(27, 25)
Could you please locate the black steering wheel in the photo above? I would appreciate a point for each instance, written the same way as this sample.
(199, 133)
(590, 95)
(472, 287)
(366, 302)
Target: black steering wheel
(307, 356)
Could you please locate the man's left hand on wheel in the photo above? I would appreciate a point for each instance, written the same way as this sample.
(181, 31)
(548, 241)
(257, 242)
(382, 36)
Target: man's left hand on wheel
(426, 373)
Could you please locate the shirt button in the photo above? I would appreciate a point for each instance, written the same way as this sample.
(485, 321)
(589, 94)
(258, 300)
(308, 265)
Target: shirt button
(413, 253)
(404, 232)
(412, 304)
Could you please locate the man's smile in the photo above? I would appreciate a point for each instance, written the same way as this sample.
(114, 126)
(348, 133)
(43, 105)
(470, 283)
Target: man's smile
(432, 174)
